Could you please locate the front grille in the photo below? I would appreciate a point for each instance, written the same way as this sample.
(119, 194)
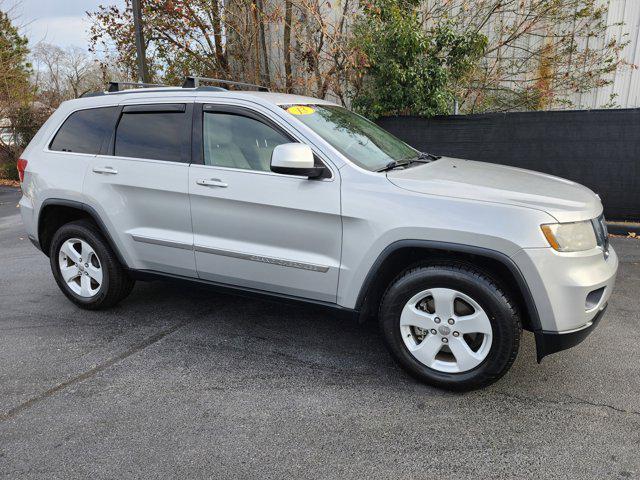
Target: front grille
(602, 234)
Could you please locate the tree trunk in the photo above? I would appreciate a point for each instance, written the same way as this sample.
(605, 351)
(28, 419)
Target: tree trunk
(256, 39)
(143, 72)
(221, 56)
(287, 46)
(266, 76)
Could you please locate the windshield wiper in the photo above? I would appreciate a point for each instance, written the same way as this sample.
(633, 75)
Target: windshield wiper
(391, 165)
(428, 156)
(423, 157)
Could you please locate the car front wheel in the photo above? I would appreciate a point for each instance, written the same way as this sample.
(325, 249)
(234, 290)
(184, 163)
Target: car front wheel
(450, 325)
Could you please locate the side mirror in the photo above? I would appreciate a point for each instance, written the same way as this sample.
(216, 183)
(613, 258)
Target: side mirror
(295, 159)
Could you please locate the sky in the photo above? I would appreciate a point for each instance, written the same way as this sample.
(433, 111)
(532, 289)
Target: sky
(60, 22)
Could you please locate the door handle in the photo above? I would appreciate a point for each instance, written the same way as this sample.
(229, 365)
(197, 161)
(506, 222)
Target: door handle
(211, 182)
(109, 170)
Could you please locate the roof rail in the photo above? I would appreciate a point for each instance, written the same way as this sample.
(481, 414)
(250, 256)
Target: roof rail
(194, 82)
(209, 88)
(91, 94)
(115, 86)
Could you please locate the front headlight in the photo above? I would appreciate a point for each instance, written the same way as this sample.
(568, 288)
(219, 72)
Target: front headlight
(570, 237)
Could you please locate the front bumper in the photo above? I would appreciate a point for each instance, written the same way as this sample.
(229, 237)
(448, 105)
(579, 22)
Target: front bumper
(570, 291)
(552, 342)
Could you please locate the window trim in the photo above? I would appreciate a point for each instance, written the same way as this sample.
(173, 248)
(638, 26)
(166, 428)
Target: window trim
(155, 108)
(103, 141)
(184, 107)
(197, 149)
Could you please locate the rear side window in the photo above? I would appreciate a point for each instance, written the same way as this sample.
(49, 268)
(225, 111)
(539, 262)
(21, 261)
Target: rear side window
(157, 132)
(84, 131)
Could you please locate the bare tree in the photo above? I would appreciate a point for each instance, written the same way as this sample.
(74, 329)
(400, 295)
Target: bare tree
(293, 45)
(65, 73)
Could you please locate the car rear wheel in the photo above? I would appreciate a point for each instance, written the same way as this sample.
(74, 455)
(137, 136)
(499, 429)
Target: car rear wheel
(86, 268)
(450, 325)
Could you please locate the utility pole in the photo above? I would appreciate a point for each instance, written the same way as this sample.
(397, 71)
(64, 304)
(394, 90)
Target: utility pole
(143, 74)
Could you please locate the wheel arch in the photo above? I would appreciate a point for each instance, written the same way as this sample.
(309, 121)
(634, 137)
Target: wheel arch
(55, 212)
(400, 255)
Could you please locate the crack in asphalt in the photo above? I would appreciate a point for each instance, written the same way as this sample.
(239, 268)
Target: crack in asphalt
(91, 372)
(56, 323)
(573, 401)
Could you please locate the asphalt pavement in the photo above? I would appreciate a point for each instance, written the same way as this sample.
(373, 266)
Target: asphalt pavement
(180, 381)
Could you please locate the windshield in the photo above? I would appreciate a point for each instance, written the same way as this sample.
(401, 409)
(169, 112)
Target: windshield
(361, 141)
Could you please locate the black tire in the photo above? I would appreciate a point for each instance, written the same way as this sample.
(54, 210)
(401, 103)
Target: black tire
(503, 316)
(116, 284)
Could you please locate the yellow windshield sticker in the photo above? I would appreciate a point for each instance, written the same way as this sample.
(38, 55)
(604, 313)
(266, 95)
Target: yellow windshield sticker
(300, 110)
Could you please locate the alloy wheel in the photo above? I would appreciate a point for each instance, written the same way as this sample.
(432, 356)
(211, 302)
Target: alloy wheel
(446, 330)
(80, 267)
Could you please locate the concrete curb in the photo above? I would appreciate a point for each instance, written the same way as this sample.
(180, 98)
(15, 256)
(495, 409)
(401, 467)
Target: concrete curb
(623, 228)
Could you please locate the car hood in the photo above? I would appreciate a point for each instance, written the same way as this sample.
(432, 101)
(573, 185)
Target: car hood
(565, 200)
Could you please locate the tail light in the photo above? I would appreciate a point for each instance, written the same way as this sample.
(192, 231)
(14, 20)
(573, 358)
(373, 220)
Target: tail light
(22, 165)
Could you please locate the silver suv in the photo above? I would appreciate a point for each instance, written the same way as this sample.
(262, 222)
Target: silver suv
(298, 198)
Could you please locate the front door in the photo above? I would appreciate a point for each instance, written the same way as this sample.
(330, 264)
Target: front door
(254, 228)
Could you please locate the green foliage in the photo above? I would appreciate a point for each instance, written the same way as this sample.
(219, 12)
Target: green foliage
(14, 67)
(407, 69)
(12, 44)
(15, 90)
(9, 170)
(26, 120)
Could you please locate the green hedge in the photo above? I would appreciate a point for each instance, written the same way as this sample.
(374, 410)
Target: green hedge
(9, 171)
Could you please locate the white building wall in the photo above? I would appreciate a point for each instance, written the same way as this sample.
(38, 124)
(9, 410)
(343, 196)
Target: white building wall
(626, 81)
(624, 91)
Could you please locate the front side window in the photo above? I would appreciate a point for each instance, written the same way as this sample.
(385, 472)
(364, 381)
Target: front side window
(236, 141)
(84, 131)
(156, 134)
(361, 141)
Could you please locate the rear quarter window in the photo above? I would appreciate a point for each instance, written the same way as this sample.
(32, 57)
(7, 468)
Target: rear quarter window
(85, 130)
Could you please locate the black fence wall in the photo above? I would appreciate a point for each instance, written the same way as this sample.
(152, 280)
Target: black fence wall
(597, 148)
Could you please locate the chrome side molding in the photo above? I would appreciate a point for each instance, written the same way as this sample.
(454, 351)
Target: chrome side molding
(164, 243)
(230, 253)
(264, 259)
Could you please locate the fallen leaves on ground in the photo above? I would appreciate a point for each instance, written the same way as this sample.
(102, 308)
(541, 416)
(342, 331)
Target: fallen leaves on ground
(9, 183)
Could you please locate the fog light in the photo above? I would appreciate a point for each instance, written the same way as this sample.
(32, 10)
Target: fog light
(593, 299)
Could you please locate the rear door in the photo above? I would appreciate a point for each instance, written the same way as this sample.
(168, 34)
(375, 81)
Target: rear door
(139, 185)
(61, 171)
(254, 228)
